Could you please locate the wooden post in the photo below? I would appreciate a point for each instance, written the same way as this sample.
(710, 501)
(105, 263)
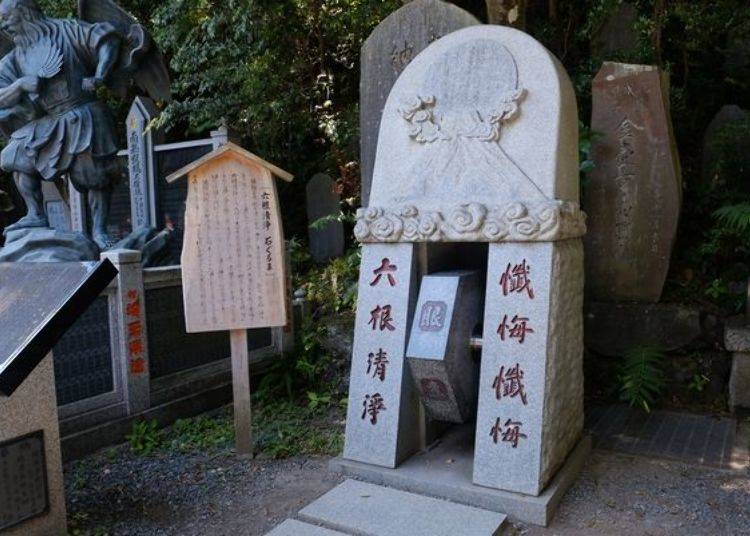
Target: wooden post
(243, 412)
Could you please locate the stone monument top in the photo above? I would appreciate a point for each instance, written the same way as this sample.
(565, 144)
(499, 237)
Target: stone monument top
(480, 134)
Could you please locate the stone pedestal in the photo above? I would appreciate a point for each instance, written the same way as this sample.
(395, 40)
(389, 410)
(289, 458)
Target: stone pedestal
(48, 245)
(32, 499)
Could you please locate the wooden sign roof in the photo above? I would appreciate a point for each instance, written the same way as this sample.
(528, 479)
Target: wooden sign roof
(234, 150)
(39, 302)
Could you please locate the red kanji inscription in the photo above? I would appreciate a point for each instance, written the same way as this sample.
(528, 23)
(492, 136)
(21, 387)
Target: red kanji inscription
(509, 384)
(517, 328)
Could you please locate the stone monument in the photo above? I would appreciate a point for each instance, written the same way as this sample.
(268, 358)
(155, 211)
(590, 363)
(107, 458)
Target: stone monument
(233, 265)
(38, 303)
(386, 52)
(326, 241)
(478, 144)
(617, 34)
(52, 118)
(635, 191)
(726, 129)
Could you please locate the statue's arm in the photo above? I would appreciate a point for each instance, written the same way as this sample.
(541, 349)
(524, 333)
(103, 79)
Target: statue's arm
(12, 85)
(108, 53)
(10, 95)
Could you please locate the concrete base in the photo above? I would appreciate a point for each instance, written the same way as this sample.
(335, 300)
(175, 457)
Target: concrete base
(445, 472)
(33, 408)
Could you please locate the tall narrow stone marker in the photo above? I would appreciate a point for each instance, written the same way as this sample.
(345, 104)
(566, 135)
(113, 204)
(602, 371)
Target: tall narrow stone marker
(634, 193)
(326, 242)
(478, 143)
(385, 54)
(143, 204)
(233, 265)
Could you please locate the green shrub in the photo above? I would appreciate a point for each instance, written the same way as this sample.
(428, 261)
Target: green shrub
(145, 437)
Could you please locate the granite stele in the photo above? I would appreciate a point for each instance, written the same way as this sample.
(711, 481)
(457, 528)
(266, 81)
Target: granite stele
(477, 159)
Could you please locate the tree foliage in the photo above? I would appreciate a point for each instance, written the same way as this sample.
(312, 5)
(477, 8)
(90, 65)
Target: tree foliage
(284, 75)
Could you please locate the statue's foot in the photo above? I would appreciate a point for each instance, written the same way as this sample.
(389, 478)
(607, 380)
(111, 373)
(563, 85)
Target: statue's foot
(103, 241)
(29, 221)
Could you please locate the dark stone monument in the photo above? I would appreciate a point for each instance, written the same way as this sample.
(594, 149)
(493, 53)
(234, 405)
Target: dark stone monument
(38, 304)
(725, 135)
(326, 242)
(617, 35)
(49, 110)
(634, 194)
(615, 329)
(385, 53)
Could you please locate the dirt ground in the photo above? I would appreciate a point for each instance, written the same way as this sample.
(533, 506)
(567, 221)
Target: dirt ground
(118, 493)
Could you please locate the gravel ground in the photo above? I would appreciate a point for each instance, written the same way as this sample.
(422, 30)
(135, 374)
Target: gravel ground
(123, 494)
(117, 493)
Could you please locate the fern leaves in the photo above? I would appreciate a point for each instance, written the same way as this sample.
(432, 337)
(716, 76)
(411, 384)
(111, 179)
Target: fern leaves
(734, 217)
(642, 377)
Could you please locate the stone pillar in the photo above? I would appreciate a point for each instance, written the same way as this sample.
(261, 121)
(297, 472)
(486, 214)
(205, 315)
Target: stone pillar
(286, 333)
(382, 426)
(141, 166)
(220, 136)
(132, 332)
(78, 210)
(530, 412)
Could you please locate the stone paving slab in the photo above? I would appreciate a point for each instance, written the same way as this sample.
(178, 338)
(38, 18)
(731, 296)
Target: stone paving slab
(292, 527)
(368, 509)
(697, 439)
(445, 471)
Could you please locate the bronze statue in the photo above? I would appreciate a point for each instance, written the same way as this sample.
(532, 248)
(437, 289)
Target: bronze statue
(49, 110)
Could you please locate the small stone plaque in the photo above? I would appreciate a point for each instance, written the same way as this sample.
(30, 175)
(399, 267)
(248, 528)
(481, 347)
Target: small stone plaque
(23, 480)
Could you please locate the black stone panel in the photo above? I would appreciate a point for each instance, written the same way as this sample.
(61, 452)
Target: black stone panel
(172, 197)
(172, 349)
(83, 357)
(23, 480)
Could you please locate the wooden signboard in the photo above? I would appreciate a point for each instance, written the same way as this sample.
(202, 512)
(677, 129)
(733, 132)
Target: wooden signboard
(233, 267)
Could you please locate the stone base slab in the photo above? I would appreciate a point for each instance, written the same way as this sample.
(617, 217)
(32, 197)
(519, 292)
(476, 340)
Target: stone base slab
(445, 472)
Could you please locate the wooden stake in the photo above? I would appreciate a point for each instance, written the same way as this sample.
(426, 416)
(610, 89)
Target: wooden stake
(243, 415)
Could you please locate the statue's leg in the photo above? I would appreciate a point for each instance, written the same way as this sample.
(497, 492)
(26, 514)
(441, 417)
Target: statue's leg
(30, 188)
(99, 202)
(95, 176)
(29, 184)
